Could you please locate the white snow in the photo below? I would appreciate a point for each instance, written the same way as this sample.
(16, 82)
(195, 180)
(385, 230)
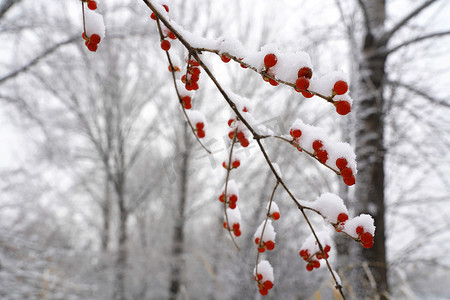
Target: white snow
(266, 270)
(94, 23)
(269, 232)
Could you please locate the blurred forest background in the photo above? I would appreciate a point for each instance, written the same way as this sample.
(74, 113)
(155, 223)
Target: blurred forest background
(104, 194)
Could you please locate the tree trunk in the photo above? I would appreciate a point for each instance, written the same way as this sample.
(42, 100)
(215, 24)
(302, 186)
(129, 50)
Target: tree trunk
(177, 262)
(370, 152)
(122, 255)
(106, 211)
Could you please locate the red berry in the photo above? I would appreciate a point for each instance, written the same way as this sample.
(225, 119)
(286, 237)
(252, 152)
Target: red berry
(83, 35)
(302, 84)
(343, 107)
(327, 249)
(236, 226)
(350, 180)
(305, 72)
(340, 87)
(172, 36)
(243, 67)
(307, 94)
(309, 267)
(233, 198)
(230, 121)
(260, 277)
(232, 205)
(222, 198)
(237, 232)
(322, 155)
(200, 125)
(341, 163)
(245, 109)
(91, 46)
(92, 5)
(201, 134)
(275, 215)
(240, 135)
(261, 250)
(316, 264)
(194, 78)
(166, 7)
(153, 16)
(317, 144)
(244, 143)
(194, 86)
(225, 225)
(263, 291)
(270, 60)
(257, 242)
(296, 133)
(236, 164)
(231, 135)
(366, 237)
(224, 165)
(268, 284)
(270, 245)
(342, 217)
(273, 82)
(225, 58)
(265, 78)
(165, 45)
(346, 172)
(195, 71)
(359, 230)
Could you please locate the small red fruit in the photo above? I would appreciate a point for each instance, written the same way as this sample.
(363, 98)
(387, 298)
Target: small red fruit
(275, 215)
(340, 87)
(342, 217)
(91, 46)
(296, 133)
(195, 71)
(232, 205)
(166, 7)
(201, 134)
(261, 250)
(257, 242)
(270, 60)
(322, 155)
(302, 84)
(305, 72)
(346, 172)
(317, 144)
(341, 163)
(244, 143)
(165, 45)
(263, 291)
(225, 225)
(240, 135)
(200, 125)
(268, 284)
(327, 249)
(343, 107)
(225, 58)
(222, 198)
(237, 232)
(350, 180)
(92, 5)
(236, 164)
(172, 36)
(307, 94)
(273, 82)
(236, 226)
(359, 230)
(270, 245)
(233, 198)
(153, 16)
(309, 267)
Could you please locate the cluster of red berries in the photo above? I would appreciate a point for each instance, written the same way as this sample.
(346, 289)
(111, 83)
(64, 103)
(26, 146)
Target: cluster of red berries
(302, 82)
(340, 88)
(92, 5)
(92, 41)
(240, 136)
(165, 44)
(193, 75)
(234, 164)
(263, 245)
(186, 101)
(365, 238)
(263, 286)
(231, 200)
(313, 260)
(199, 128)
(346, 172)
(235, 228)
(319, 151)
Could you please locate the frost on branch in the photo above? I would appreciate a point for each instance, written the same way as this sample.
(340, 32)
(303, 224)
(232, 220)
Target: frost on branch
(310, 250)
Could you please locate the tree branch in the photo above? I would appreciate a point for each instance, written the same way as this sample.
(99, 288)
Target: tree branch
(36, 60)
(420, 93)
(383, 40)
